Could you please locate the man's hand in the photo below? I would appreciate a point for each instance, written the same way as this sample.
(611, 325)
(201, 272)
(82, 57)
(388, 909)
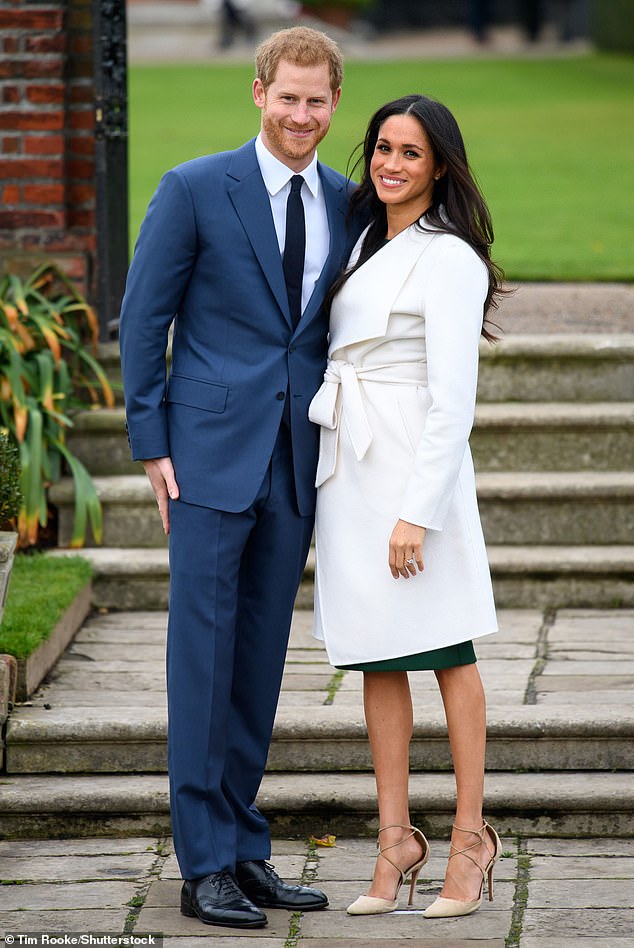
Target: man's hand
(160, 472)
(406, 549)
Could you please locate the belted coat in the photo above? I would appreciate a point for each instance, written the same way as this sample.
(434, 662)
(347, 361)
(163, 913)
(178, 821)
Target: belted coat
(396, 409)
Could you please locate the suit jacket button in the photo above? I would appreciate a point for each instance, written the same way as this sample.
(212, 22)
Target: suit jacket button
(281, 396)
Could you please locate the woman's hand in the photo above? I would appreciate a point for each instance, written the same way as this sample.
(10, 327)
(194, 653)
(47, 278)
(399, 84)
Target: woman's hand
(406, 549)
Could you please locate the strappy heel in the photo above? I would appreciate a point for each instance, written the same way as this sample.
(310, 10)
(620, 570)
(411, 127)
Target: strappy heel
(369, 904)
(449, 908)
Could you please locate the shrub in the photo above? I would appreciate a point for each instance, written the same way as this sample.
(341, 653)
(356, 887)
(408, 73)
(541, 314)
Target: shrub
(10, 491)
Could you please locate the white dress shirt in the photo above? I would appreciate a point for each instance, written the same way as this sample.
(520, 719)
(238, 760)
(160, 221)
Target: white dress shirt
(277, 177)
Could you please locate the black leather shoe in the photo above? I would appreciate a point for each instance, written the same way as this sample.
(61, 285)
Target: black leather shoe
(261, 884)
(217, 900)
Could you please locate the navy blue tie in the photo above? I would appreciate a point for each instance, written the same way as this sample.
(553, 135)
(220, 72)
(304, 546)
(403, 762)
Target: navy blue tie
(294, 248)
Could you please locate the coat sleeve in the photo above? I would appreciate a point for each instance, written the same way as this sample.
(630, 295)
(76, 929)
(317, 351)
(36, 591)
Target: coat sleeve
(453, 305)
(163, 260)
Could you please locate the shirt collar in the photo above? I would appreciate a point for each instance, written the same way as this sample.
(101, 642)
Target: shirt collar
(276, 174)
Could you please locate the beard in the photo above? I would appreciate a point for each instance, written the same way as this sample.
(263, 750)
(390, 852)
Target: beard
(287, 146)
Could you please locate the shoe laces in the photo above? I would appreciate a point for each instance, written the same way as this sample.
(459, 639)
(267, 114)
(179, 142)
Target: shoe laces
(269, 871)
(227, 884)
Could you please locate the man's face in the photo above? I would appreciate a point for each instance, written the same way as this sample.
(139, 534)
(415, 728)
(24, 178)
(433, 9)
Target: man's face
(296, 111)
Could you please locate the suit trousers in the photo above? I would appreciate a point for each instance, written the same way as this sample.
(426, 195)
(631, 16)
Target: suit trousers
(233, 582)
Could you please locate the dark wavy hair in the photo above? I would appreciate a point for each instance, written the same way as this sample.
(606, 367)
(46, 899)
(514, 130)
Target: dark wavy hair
(458, 206)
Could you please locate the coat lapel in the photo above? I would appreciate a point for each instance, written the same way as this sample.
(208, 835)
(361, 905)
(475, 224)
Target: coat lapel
(250, 198)
(362, 308)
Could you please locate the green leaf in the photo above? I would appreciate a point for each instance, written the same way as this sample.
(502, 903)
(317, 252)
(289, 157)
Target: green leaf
(87, 503)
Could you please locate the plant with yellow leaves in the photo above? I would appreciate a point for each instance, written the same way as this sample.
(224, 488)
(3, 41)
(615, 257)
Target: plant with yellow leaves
(49, 371)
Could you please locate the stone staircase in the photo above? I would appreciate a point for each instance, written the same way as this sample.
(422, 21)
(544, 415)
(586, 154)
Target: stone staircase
(87, 755)
(554, 452)
(553, 447)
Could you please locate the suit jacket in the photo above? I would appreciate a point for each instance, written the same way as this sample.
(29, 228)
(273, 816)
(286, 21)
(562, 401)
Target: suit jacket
(207, 259)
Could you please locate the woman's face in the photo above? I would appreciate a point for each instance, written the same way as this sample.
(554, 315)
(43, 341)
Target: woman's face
(403, 168)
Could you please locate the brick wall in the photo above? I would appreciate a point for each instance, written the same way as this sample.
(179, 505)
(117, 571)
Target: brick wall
(47, 181)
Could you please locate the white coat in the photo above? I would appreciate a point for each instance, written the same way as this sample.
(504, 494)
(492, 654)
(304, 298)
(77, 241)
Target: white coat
(396, 410)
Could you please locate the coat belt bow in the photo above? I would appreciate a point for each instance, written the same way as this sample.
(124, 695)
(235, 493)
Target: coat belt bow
(341, 393)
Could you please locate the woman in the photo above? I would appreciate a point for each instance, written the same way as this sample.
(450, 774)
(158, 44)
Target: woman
(395, 471)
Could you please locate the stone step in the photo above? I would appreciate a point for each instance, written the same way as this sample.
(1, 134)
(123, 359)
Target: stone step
(554, 507)
(548, 367)
(528, 436)
(535, 576)
(318, 740)
(574, 804)
(549, 436)
(557, 507)
(558, 368)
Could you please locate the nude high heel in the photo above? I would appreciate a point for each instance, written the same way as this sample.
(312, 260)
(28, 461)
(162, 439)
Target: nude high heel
(450, 908)
(368, 904)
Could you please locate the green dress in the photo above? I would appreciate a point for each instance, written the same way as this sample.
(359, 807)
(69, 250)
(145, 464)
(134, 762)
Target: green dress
(447, 657)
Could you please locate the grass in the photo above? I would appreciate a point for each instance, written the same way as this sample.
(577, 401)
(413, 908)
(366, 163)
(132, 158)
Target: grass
(40, 589)
(550, 141)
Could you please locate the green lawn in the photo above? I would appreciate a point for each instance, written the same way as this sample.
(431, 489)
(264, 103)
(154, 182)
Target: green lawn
(40, 590)
(551, 141)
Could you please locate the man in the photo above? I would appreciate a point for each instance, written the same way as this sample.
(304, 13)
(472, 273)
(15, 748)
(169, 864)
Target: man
(230, 453)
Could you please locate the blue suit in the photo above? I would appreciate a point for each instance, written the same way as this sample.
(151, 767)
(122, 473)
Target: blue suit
(207, 259)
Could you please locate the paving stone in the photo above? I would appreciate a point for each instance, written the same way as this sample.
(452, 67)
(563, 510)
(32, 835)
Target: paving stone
(520, 626)
(608, 633)
(605, 618)
(492, 681)
(65, 919)
(309, 656)
(581, 939)
(27, 848)
(363, 937)
(321, 670)
(591, 867)
(86, 679)
(595, 699)
(593, 641)
(300, 699)
(39, 868)
(303, 682)
(77, 665)
(152, 655)
(599, 669)
(57, 697)
(302, 631)
(581, 893)
(113, 635)
(505, 699)
(611, 923)
(574, 652)
(584, 684)
(220, 940)
(74, 895)
(503, 649)
(492, 922)
(170, 869)
(581, 847)
(171, 922)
